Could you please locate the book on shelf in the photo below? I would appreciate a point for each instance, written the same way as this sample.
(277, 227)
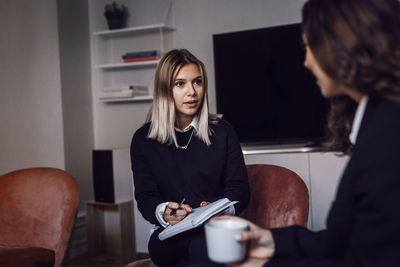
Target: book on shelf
(151, 53)
(137, 59)
(139, 56)
(197, 217)
(124, 92)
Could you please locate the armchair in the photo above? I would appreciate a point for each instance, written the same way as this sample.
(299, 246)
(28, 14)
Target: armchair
(278, 197)
(37, 213)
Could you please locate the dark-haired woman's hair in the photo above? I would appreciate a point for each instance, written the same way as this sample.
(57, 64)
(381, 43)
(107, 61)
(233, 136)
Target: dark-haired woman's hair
(357, 43)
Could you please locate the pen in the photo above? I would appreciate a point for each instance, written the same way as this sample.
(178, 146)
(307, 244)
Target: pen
(180, 204)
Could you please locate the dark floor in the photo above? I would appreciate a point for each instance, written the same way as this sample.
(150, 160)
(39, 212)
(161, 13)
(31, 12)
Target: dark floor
(91, 263)
(85, 261)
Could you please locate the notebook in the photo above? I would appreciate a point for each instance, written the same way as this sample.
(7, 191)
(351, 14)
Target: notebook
(197, 217)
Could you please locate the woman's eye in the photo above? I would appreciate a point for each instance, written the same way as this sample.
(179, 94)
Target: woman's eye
(197, 82)
(179, 84)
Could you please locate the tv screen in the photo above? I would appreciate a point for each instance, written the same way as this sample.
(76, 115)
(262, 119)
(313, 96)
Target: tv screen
(263, 88)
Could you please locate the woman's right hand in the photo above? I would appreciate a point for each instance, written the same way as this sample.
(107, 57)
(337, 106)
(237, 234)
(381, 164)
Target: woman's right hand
(180, 212)
(261, 245)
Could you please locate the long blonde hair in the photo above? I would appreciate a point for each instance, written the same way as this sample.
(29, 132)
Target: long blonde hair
(162, 112)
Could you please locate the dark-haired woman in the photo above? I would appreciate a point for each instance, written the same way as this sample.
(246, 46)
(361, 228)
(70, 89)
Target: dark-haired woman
(353, 49)
(184, 152)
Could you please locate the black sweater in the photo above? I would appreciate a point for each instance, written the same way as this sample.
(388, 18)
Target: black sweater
(162, 172)
(363, 227)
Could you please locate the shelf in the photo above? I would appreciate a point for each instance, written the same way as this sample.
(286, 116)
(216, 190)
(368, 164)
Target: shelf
(125, 31)
(128, 65)
(127, 99)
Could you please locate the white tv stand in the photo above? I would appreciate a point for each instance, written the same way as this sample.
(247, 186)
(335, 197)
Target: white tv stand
(319, 170)
(274, 149)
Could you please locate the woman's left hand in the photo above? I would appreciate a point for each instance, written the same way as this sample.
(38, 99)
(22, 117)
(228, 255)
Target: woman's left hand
(204, 203)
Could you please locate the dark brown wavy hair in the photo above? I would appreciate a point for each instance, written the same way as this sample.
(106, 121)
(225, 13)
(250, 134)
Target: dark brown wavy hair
(357, 43)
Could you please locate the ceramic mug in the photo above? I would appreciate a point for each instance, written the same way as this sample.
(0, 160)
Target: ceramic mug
(222, 246)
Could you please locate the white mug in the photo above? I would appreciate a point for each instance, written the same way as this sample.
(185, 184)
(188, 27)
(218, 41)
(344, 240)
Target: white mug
(222, 246)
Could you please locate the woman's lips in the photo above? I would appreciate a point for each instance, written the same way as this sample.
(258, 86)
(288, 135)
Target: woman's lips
(191, 104)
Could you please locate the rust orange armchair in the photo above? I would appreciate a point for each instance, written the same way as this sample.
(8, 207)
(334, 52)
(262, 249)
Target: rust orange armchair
(37, 213)
(278, 197)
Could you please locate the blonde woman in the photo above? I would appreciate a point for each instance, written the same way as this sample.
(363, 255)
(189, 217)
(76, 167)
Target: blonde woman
(184, 152)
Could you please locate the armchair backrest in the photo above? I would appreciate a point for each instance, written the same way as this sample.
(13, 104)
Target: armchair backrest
(37, 209)
(279, 197)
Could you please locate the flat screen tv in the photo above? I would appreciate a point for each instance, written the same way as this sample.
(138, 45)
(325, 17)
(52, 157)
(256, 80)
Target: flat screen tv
(264, 90)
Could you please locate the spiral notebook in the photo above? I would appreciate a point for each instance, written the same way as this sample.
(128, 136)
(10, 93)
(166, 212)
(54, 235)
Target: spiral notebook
(197, 217)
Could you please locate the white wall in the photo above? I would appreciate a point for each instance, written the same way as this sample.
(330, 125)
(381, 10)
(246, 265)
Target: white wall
(31, 131)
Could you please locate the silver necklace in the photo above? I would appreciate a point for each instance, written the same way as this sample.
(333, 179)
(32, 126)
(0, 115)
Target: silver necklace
(186, 146)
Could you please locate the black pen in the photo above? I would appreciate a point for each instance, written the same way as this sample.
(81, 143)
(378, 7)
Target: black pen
(174, 210)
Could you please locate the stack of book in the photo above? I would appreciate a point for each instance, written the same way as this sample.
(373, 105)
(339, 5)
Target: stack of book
(139, 56)
(124, 92)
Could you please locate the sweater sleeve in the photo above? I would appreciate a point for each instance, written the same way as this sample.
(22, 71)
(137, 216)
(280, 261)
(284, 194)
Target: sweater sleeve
(236, 181)
(296, 246)
(147, 193)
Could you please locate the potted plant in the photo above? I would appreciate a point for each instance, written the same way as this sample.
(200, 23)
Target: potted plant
(115, 15)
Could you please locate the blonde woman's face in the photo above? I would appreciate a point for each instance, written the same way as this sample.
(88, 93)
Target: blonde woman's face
(188, 92)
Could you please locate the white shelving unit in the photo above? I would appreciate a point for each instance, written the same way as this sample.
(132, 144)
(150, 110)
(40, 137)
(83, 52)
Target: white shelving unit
(146, 28)
(127, 99)
(128, 65)
(149, 27)
(109, 71)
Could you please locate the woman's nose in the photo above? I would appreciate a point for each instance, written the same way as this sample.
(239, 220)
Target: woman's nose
(192, 89)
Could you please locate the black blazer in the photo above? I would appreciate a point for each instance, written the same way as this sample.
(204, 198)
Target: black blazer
(363, 226)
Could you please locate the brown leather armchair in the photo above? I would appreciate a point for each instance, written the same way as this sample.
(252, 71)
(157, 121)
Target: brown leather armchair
(37, 213)
(278, 197)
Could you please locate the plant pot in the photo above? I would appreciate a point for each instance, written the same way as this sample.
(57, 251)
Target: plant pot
(115, 20)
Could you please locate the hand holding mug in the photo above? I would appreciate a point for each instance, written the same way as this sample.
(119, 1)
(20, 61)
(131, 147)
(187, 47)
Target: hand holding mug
(222, 246)
(261, 243)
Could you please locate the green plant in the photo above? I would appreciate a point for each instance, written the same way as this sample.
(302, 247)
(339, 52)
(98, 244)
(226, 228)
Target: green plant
(115, 15)
(114, 8)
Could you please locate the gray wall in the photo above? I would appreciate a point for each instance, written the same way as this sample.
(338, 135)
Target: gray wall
(45, 103)
(74, 42)
(30, 104)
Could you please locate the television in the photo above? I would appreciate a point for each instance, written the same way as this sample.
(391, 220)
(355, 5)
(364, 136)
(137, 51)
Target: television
(264, 90)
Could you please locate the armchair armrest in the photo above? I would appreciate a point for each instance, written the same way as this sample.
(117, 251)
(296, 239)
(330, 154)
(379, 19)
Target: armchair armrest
(26, 257)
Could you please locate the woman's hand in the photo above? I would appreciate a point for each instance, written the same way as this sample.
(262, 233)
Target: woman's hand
(261, 243)
(204, 203)
(180, 212)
